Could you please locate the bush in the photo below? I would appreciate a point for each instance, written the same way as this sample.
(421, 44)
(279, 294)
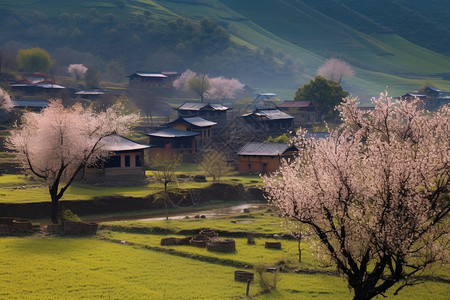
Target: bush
(70, 216)
(267, 281)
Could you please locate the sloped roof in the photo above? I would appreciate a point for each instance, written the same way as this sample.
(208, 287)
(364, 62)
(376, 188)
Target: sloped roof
(119, 143)
(271, 114)
(288, 104)
(201, 105)
(172, 133)
(433, 88)
(148, 74)
(29, 103)
(195, 121)
(263, 149)
(91, 92)
(414, 95)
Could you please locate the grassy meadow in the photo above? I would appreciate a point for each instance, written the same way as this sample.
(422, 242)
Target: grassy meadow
(99, 267)
(27, 189)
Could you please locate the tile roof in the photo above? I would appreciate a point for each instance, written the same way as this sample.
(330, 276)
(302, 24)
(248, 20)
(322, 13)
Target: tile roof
(172, 133)
(295, 104)
(201, 105)
(272, 114)
(264, 149)
(148, 74)
(119, 143)
(195, 121)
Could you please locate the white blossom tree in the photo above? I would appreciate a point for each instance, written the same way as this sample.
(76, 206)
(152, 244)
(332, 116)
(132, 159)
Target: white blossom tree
(374, 193)
(58, 142)
(335, 69)
(5, 100)
(78, 70)
(223, 88)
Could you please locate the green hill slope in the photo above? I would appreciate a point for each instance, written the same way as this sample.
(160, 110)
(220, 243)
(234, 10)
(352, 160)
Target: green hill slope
(273, 45)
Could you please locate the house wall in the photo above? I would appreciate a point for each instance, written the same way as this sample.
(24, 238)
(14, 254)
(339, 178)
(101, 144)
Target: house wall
(258, 164)
(128, 172)
(203, 139)
(301, 115)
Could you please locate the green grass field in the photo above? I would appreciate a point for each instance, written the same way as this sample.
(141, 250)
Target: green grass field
(99, 267)
(26, 189)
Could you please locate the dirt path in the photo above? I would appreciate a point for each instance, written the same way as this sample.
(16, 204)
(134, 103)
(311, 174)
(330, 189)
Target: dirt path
(208, 213)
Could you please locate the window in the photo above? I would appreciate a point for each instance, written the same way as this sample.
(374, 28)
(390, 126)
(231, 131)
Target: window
(249, 166)
(113, 162)
(138, 161)
(127, 160)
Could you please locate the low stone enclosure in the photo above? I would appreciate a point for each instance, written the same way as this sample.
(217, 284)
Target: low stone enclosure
(72, 228)
(15, 226)
(206, 238)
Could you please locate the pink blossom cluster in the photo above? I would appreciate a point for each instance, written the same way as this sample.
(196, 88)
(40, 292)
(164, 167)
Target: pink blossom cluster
(5, 100)
(373, 192)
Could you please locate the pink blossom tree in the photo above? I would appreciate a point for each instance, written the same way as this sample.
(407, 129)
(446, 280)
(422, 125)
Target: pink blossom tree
(5, 100)
(181, 82)
(78, 70)
(374, 193)
(335, 69)
(223, 88)
(58, 142)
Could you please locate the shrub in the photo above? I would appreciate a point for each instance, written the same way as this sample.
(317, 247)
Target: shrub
(267, 281)
(70, 216)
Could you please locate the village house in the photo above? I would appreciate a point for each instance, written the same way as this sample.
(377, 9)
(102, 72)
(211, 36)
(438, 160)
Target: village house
(263, 158)
(435, 97)
(302, 111)
(124, 166)
(152, 79)
(269, 120)
(178, 141)
(195, 124)
(214, 112)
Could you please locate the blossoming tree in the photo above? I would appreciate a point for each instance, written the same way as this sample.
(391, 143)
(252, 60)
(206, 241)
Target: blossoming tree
(217, 88)
(335, 69)
(58, 142)
(5, 100)
(78, 70)
(375, 192)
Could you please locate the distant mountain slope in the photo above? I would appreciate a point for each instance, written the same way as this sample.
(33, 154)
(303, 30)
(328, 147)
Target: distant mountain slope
(276, 45)
(332, 28)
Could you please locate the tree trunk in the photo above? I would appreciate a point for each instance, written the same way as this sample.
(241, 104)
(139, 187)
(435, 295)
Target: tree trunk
(299, 242)
(55, 209)
(165, 201)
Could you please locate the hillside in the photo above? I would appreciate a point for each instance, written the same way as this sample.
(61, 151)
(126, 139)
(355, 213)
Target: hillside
(273, 45)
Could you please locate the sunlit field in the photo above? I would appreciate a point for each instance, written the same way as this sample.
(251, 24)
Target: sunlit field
(99, 267)
(26, 189)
